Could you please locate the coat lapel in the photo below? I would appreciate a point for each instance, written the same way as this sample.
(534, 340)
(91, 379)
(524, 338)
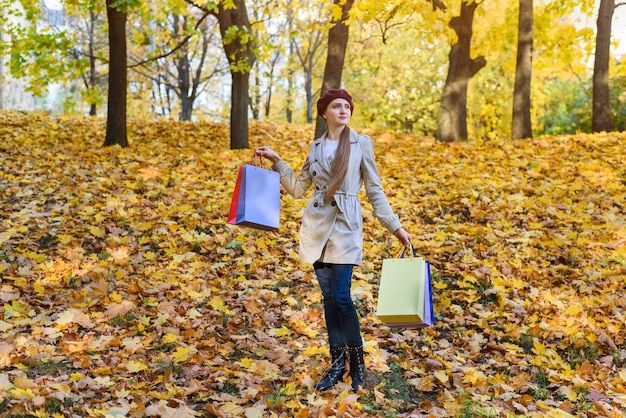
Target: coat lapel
(319, 153)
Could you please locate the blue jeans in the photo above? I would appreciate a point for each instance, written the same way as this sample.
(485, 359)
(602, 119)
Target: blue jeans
(342, 321)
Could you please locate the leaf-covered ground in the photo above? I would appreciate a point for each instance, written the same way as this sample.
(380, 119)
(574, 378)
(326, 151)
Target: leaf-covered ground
(124, 293)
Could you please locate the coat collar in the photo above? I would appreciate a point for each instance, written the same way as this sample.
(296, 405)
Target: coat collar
(354, 137)
(318, 145)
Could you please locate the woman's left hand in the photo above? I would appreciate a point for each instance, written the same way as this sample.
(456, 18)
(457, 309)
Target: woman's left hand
(403, 237)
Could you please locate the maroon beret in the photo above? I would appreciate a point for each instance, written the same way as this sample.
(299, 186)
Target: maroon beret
(331, 95)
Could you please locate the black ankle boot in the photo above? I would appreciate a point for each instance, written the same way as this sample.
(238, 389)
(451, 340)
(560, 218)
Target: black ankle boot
(337, 368)
(357, 366)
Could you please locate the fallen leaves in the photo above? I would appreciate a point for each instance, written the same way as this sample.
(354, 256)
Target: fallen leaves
(124, 293)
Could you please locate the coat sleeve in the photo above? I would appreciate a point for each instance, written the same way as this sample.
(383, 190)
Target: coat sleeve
(373, 187)
(295, 185)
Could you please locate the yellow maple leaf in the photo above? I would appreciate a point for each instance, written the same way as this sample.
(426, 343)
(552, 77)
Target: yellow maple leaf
(182, 354)
(337, 12)
(312, 351)
(280, 332)
(37, 287)
(5, 236)
(116, 297)
(96, 231)
(65, 238)
(539, 348)
(291, 389)
(441, 375)
(169, 338)
(246, 362)
(40, 258)
(22, 393)
(218, 303)
(573, 310)
(135, 366)
(473, 376)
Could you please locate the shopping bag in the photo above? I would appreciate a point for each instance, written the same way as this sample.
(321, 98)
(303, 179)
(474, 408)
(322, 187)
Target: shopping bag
(256, 198)
(405, 297)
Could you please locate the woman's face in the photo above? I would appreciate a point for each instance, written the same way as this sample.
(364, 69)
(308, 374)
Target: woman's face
(338, 113)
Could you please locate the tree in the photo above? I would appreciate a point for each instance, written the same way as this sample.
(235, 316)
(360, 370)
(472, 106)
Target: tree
(118, 75)
(188, 81)
(452, 118)
(601, 116)
(522, 127)
(397, 74)
(86, 19)
(269, 32)
(337, 44)
(60, 47)
(306, 42)
(290, 67)
(182, 66)
(239, 45)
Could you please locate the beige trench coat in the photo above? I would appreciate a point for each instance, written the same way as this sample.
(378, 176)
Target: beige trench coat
(332, 232)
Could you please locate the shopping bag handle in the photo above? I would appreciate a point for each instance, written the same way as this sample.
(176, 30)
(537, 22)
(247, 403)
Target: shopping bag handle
(261, 161)
(404, 251)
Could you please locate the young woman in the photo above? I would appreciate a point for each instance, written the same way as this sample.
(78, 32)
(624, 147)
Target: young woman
(331, 234)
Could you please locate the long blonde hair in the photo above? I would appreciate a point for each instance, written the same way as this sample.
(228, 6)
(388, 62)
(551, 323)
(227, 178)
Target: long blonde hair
(339, 167)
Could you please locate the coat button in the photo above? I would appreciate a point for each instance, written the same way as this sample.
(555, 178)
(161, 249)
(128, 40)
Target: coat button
(315, 204)
(315, 173)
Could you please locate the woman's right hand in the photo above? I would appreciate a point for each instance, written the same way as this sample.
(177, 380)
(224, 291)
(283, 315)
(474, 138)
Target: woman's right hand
(266, 152)
(403, 237)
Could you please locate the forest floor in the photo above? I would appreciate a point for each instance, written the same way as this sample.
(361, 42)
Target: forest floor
(124, 292)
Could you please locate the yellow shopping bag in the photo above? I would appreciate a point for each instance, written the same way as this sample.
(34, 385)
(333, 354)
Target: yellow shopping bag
(405, 298)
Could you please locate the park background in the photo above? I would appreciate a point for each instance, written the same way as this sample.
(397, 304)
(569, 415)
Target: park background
(125, 293)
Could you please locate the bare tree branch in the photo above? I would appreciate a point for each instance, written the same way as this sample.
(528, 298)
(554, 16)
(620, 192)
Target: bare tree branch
(182, 43)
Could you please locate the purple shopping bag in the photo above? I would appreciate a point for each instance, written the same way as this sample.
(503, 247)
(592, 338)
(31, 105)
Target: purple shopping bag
(256, 199)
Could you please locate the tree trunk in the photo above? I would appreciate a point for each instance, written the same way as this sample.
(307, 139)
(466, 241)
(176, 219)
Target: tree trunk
(290, 72)
(452, 119)
(118, 78)
(308, 89)
(184, 78)
(239, 111)
(522, 127)
(267, 103)
(601, 118)
(240, 54)
(93, 80)
(337, 44)
(1, 74)
(254, 94)
(93, 74)
(289, 100)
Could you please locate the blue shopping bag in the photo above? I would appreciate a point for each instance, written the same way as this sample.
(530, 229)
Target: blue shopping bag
(256, 199)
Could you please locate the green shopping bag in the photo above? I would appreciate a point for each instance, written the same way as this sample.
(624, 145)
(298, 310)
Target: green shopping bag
(405, 297)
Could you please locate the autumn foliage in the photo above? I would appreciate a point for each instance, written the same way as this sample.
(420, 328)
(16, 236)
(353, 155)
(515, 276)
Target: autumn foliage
(124, 292)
